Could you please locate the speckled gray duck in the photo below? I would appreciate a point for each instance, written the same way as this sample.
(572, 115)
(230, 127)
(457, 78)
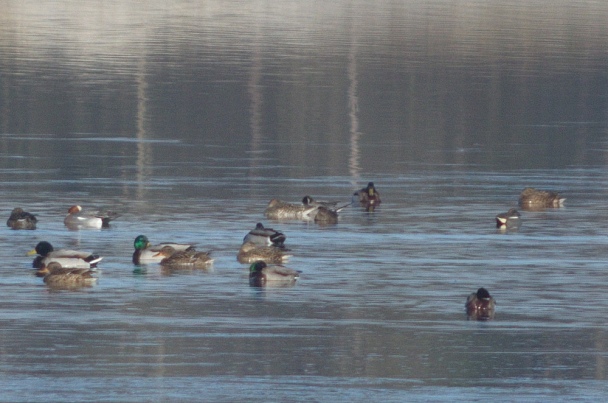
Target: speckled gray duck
(480, 305)
(280, 210)
(250, 252)
(262, 236)
(534, 198)
(261, 274)
(20, 219)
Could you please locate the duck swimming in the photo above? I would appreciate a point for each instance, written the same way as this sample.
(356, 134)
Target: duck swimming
(189, 258)
(250, 253)
(511, 218)
(480, 305)
(20, 219)
(310, 202)
(532, 198)
(65, 257)
(77, 218)
(368, 197)
(145, 252)
(66, 277)
(261, 274)
(262, 236)
(280, 210)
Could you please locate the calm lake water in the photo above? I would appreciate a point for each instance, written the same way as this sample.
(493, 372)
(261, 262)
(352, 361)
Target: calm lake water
(188, 117)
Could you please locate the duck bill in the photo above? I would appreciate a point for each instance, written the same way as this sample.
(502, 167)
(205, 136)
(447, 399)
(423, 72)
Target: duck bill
(32, 252)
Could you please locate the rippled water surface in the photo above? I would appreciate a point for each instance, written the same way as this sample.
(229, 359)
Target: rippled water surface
(188, 118)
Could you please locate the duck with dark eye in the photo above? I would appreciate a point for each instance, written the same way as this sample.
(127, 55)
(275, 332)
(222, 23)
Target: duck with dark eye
(66, 277)
(368, 196)
(480, 305)
(250, 253)
(20, 219)
(280, 210)
(65, 257)
(262, 236)
(531, 199)
(186, 259)
(511, 218)
(145, 252)
(260, 274)
(77, 218)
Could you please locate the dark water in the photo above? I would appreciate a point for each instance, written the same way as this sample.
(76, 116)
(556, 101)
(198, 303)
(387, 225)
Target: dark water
(189, 117)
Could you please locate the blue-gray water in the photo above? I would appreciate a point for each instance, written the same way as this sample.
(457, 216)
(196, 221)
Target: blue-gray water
(188, 117)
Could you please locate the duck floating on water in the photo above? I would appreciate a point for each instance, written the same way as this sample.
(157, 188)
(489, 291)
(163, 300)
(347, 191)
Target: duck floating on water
(251, 252)
(480, 305)
(65, 257)
(262, 236)
(280, 210)
(510, 219)
(261, 274)
(20, 219)
(77, 218)
(184, 259)
(531, 198)
(145, 252)
(58, 276)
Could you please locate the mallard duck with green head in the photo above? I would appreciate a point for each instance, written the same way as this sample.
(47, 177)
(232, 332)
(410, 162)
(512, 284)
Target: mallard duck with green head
(261, 274)
(145, 252)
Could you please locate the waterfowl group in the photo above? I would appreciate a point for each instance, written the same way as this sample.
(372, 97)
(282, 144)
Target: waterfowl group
(263, 248)
(20, 219)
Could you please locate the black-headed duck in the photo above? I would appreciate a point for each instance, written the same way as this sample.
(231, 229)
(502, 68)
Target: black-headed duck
(480, 305)
(20, 219)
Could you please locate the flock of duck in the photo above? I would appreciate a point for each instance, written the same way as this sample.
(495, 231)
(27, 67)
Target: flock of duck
(262, 248)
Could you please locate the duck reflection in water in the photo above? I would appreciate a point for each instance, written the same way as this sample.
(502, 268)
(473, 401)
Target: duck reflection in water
(480, 305)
